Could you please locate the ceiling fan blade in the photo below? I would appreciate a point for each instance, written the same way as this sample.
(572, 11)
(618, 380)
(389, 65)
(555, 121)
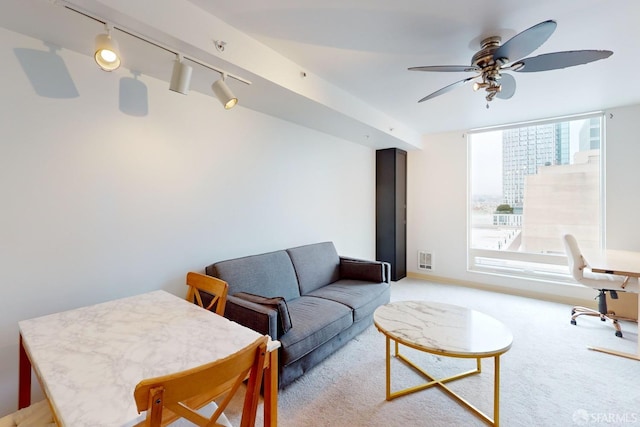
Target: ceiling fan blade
(507, 86)
(447, 68)
(448, 88)
(557, 60)
(524, 43)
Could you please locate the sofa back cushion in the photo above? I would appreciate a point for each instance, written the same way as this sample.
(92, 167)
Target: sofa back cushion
(316, 265)
(270, 275)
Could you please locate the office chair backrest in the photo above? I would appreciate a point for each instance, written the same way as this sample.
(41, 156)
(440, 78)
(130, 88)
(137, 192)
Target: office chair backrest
(574, 256)
(184, 392)
(213, 287)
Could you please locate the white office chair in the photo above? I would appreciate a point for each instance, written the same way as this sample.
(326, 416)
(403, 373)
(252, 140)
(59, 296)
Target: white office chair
(603, 283)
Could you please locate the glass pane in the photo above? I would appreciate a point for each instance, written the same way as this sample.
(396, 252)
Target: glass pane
(530, 185)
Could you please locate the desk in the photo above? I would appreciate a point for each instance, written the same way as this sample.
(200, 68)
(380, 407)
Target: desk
(445, 330)
(623, 263)
(89, 360)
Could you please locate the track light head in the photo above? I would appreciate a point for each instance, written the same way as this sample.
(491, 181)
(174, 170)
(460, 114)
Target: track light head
(107, 54)
(224, 94)
(181, 76)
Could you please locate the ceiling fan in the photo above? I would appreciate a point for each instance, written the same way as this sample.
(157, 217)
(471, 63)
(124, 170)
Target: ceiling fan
(493, 59)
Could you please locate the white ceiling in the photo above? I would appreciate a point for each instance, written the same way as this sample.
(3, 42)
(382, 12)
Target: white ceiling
(364, 47)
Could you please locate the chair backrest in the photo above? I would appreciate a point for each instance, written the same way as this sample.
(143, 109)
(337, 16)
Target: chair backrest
(574, 256)
(215, 288)
(179, 395)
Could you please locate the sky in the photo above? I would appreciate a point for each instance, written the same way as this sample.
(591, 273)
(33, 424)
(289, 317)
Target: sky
(486, 151)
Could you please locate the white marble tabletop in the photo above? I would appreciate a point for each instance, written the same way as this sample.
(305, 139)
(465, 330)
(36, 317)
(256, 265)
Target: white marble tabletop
(443, 329)
(90, 359)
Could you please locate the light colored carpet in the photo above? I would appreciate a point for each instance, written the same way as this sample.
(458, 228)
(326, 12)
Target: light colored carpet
(548, 377)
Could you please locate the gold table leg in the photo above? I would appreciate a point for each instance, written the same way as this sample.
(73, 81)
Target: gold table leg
(390, 395)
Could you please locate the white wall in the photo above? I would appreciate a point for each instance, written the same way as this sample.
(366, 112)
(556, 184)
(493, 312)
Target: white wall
(97, 204)
(623, 178)
(437, 205)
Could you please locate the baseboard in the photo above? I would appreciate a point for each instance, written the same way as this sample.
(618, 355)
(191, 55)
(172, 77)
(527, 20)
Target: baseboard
(510, 291)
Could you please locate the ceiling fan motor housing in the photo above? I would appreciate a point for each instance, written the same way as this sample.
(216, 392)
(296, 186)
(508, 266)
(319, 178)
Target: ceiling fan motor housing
(489, 66)
(484, 57)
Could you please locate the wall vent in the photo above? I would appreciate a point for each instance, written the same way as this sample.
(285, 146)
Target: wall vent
(425, 260)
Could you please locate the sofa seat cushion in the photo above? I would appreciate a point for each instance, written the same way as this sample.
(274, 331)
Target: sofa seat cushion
(315, 321)
(362, 297)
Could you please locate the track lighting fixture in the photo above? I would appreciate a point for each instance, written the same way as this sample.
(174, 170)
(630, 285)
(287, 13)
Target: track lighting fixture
(181, 76)
(107, 55)
(224, 94)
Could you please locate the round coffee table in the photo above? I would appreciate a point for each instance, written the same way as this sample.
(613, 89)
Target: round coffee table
(446, 330)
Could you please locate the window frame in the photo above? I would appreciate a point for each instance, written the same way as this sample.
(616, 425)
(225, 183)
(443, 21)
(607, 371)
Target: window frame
(548, 267)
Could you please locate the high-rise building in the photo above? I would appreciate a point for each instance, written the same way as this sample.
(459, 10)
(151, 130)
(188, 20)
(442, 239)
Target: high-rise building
(526, 149)
(590, 134)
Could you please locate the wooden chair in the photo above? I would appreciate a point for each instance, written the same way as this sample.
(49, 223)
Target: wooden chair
(179, 395)
(212, 286)
(38, 414)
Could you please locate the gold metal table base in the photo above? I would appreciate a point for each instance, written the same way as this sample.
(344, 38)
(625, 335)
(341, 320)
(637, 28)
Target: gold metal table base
(442, 381)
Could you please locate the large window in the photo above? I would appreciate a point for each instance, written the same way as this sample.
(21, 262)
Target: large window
(530, 184)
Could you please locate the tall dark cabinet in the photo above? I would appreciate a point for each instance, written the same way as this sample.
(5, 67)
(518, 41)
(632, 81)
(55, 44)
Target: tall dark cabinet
(391, 210)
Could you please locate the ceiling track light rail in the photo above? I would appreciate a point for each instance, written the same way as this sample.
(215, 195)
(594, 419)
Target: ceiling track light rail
(107, 57)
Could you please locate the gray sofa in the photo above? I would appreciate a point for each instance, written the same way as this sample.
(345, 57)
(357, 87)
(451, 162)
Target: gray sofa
(316, 300)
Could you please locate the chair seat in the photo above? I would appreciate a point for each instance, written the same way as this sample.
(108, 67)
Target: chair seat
(609, 281)
(36, 415)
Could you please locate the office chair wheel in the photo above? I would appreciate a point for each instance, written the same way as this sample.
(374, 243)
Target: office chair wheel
(619, 334)
(573, 322)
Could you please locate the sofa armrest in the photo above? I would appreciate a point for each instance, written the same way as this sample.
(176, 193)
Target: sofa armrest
(362, 269)
(260, 318)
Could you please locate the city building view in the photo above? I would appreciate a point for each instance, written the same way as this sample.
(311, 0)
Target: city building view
(550, 185)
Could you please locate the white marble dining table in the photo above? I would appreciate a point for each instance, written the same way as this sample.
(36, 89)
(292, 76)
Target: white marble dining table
(89, 360)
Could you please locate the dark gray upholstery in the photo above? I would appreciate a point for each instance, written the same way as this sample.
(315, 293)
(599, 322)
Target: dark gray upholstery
(316, 265)
(269, 275)
(292, 371)
(359, 270)
(362, 297)
(315, 320)
(325, 309)
(276, 303)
